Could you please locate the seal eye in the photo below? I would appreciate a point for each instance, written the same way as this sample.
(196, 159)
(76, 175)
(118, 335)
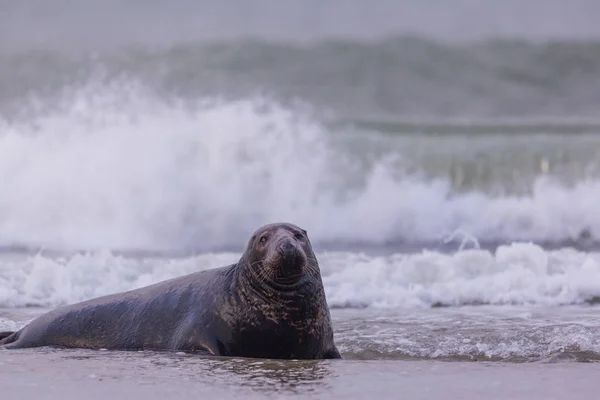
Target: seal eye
(263, 240)
(299, 236)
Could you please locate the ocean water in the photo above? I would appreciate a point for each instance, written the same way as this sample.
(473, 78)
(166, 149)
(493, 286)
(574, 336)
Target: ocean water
(447, 177)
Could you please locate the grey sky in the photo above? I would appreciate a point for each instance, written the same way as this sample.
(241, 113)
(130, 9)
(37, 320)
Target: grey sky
(108, 22)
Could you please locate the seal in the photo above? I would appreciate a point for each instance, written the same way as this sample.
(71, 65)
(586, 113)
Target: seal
(270, 304)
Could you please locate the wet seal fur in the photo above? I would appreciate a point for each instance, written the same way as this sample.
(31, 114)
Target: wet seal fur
(270, 304)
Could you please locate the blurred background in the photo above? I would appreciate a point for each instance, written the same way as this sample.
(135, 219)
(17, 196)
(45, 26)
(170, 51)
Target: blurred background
(185, 124)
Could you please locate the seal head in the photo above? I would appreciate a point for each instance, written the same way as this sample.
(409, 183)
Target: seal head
(280, 256)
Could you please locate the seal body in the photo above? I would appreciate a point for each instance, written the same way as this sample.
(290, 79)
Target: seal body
(270, 304)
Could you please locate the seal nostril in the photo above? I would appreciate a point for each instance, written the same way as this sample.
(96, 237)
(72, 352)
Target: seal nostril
(287, 248)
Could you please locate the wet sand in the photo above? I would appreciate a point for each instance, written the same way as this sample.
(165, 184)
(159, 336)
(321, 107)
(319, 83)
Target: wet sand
(77, 374)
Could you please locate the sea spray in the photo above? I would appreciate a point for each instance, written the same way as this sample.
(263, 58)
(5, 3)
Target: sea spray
(116, 167)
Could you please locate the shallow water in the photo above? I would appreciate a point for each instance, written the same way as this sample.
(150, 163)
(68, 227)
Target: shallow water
(516, 321)
(470, 333)
(71, 374)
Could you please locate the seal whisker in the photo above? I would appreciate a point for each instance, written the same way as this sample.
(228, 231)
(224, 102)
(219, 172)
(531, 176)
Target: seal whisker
(312, 265)
(264, 275)
(259, 272)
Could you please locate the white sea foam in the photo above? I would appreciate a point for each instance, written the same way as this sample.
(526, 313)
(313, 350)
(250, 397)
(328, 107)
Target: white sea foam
(116, 167)
(508, 333)
(516, 274)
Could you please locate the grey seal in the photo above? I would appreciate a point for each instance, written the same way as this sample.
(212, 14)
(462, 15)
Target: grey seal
(269, 304)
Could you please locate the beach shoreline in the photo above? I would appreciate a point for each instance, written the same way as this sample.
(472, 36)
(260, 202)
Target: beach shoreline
(73, 374)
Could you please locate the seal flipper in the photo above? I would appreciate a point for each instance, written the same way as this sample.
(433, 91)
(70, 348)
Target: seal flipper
(5, 334)
(211, 346)
(7, 337)
(214, 347)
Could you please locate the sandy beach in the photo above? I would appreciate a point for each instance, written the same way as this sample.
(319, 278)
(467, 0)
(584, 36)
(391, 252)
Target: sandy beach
(76, 374)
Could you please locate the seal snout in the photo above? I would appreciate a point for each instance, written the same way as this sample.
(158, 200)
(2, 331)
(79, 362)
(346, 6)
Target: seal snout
(287, 249)
(291, 265)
